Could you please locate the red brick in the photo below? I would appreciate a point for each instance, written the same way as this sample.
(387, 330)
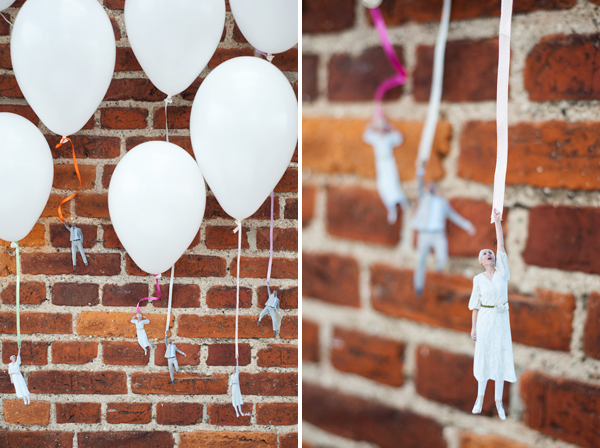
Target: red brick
(223, 414)
(228, 439)
(224, 54)
(277, 413)
(35, 413)
(310, 83)
(288, 182)
(183, 142)
(48, 323)
(376, 358)
(74, 352)
(5, 27)
(224, 355)
(286, 61)
(257, 267)
(237, 33)
(115, 4)
(32, 352)
(331, 278)
(566, 238)
(188, 266)
(288, 298)
(591, 334)
(187, 384)
(213, 209)
(291, 208)
(9, 87)
(5, 61)
(222, 237)
(355, 78)
(24, 111)
(473, 440)
(191, 350)
(278, 355)
(107, 173)
(327, 17)
(6, 387)
(124, 354)
(269, 384)
(179, 117)
(36, 439)
(77, 382)
(545, 397)
(358, 214)
(116, 28)
(113, 324)
(225, 297)
(7, 265)
(62, 263)
(124, 295)
(78, 413)
(444, 302)
(179, 413)
(123, 118)
(562, 67)
(455, 384)
(308, 204)
(30, 293)
(126, 60)
(470, 71)
(283, 239)
(75, 294)
(50, 211)
(136, 89)
(35, 238)
(92, 205)
(290, 441)
(184, 296)
(289, 327)
(60, 237)
(65, 177)
(219, 326)
(130, 413)
(86, 147)
(129, 439)
(310, 341)
(366, 420)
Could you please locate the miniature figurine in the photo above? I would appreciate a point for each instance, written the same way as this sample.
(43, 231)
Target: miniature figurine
(76, 243)
(171, 355)
(139, 322)
(491, 325)
(236, 393)
(272, 307)
(384, 139)
(16, 377)
(430, 222)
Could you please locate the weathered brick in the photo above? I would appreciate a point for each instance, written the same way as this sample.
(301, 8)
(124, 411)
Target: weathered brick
(289, 327)
(327, 17)
(35, 413)
(179, 413)
(109, 324)
(36, 439)
(228, 439)
(65, 177)
(224, 355)
(291, 208)
(288, 182)
(75, 294)
(269, 384)
(32, 352)
(30, 293)
(214, 210)
(24, 111)
(222, 237)
(183, 142)
(223, 414)
(257, 267)
(287, 61)
(92, 205)
(277, 413)
(86, 147)
(373, 357)
(219, 326)
(115, 4)
(50, 211)
(124, 354)
(123, 118)
(591, 334)
(278, 355)
(9, 87)
(48, 323)
(60, 237)
(5, 60)
(310, 85)
(473, 440)
(188, 266)
(184, 296)
(331, 278)
(78, 412)
(544, 398)
(62, 263)
(187, 384)
(124, 295)
(126, 60)
(35, 238)
(136, 89)
(6, 387)
(290, 440)
(225, 54)
(365, 420)
(326, 143)
(310, 341)
(116, 29)
(77, 382)
(131, 413)
(283, 239)
(288, 298)
(74, 352)
(179, 117)
(309, 193)
(190, 93)
(192, 352)
(129, 439)
(225, 297)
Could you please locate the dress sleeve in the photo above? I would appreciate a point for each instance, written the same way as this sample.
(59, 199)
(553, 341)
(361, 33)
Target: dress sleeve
(368, 135)
(502, 265)
(18, 363)
(475, 300)
(146, 321)
(133, 319)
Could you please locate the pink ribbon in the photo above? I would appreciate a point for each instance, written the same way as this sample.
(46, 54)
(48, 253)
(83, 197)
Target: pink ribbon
(150, 298)
(396, 80)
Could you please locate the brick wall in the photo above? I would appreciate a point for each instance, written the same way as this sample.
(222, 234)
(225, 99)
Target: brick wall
(381, 367)
(91, 384)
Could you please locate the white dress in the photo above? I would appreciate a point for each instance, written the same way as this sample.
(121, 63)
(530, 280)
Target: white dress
(493, 347)
(17, 378)
(141, 332)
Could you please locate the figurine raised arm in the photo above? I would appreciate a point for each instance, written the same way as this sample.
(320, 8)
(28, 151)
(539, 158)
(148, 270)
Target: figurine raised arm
(16, 377)
(76, 243)
(171, 355)
(139, 322)
(272, 307)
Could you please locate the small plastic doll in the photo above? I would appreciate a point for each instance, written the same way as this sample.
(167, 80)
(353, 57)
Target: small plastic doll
(76, 243)
(272, 307)
(236, 393)
(16, 377)
(139, 322)
(171, 355)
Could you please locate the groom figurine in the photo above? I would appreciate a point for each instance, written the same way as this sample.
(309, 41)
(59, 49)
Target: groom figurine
(76, 243)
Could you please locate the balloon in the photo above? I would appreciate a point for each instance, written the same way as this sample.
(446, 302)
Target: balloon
(156, 202)
(63, 54)
(270, 26)
(26, 179)
(244, 128)
(5, 4)
(173, 40)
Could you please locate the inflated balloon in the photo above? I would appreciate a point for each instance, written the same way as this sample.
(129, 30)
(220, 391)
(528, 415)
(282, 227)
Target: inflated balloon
(156, 202)
(26, 179)
(244, 129)
(173, 40)
(5, 4)
(63, 54)
(270, 26)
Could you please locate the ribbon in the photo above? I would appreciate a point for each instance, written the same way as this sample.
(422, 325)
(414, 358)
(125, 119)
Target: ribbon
(4, 17)
(15, 245)
(170, 299)
(436, 88)
(168, 100)
(502, 107)
(271, 242)
(237, 230)
(67, 199)
(151, 298)
(400, 77)
(269, 56)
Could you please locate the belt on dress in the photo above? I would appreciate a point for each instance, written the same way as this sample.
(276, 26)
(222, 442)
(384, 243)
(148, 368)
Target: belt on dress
(493, 306)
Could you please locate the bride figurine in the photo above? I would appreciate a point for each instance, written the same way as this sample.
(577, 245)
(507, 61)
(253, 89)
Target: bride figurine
(491, 323)
(16, 377)
(139, 322)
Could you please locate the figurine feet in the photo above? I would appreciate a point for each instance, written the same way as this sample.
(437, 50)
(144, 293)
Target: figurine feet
(500, 409)
(418, 293)
(478, 405)
(86, 263)
(74, 266)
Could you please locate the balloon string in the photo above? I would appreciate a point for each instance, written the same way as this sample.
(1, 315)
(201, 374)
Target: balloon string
(237, 230)
(271, 241)
(269, 56)
(15, 245)
(151, 298)
(4, 17)
(168, 100)
(170, 299)
(67, 199)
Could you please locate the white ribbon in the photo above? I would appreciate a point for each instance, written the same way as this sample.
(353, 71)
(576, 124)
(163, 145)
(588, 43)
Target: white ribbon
(237, 230)
(168, 100)
(170, 298)
(502, 107)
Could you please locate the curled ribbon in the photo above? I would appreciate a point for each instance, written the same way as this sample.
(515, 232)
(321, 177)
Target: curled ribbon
(67, 199)
(15, 245)
(151, 298)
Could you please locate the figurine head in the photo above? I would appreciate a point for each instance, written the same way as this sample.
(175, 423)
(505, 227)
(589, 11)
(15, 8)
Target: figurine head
(431, 187)
(13, 358)
(138, 315)
(169, 341)
(487, 258)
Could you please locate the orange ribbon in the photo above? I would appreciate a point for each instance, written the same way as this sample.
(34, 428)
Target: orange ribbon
(67, 199)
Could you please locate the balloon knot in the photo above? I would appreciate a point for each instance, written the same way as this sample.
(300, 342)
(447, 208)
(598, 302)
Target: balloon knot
(169, 100)
(270, 57)
(14, 245)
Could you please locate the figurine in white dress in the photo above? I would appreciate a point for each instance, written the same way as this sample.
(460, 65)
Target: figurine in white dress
(383, 138)
(491, 323)
(272, 307)
(171, 355)
(236, 393)
(139, 322)
(16, 377)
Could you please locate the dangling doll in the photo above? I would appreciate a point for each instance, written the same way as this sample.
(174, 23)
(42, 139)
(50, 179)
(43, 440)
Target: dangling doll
(272, 307)
(16, 377)
(139, 322)
(236, 394)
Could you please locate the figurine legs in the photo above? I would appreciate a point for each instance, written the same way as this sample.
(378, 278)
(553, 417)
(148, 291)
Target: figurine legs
(74, 253)
(423, 248)
(173, 362)
(81, 251)
(500, 409)
(478, 405)
(263, 313)
(273, 314)
(440, 247)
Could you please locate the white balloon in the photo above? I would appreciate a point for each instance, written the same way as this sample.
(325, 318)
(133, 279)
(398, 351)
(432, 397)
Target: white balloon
(156, 202)
(63, 54)
(173, 40)
(270, 26)
(25, 177)
(244, 129)
(5, 4)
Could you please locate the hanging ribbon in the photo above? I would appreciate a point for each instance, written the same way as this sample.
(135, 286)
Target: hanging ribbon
(237, 230)
(502, 107)
(436, 88)
(15, 246)
(168, 100)
(150, 298)
(170, 299)
(400, 77)
(271, 243)
(67, 199)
